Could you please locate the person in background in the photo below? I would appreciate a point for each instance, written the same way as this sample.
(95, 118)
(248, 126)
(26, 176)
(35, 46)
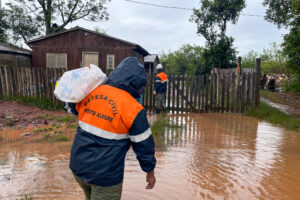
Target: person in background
(110, 122)
(160, 91)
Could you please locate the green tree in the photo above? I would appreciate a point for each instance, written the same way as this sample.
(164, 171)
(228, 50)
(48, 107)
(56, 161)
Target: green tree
(3, 26)
(188, 59)
(212, 19)
(51, 16)
(249, 60)
(272, 60)
(286, 13)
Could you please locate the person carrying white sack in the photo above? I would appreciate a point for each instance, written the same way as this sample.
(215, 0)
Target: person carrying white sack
(110, 122)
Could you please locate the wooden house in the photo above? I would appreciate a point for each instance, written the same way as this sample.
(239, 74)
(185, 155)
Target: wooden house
(13, 56)
(78, 47)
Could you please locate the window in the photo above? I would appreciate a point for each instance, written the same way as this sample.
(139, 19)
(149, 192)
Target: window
(90, 58)
(56, 60)
(110, 62)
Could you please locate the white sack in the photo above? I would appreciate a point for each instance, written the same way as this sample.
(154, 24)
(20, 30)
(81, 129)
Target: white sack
(76, 84)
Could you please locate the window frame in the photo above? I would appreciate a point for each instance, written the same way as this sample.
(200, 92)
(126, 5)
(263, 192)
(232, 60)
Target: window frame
(113, 61)
(56, 60)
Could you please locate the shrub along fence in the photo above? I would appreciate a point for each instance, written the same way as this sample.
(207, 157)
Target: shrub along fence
(213, 92)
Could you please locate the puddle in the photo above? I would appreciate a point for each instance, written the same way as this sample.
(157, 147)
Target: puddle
(213, 156)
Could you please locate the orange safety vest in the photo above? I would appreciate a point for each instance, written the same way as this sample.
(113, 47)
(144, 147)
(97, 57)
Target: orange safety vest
(108, 112)
(163, 77)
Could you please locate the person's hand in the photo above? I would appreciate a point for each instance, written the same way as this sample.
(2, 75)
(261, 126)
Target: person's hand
(150, 178)
(154, 92)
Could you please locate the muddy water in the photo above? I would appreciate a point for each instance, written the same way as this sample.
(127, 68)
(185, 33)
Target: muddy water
(213, 156)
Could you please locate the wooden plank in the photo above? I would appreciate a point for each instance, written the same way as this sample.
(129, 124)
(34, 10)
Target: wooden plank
(243, 92)
(30, 84)
(248, 92)
(233, 92)
(2, 87)
(7, 84)
(169, 95)
(192, 78)
(44, 82)
(223, 93)
(216, 92)
(26, 81)
(39, 83)
(238, 94)
(228, 82)
(182, 91)
(202, 100)
(199, 93)
(206, 92)
(47, 82)
(257, 82)
(177, 93)
(11, 81)
(21, 78)
(173, 95)
(15, 81)
(187, 92)
(34, 82)
(211, 91)
(52, 83)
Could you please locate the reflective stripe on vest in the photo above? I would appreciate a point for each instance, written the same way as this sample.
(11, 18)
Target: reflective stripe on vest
(141, 137)
(114, 136)
(102, 133)
(108, 110)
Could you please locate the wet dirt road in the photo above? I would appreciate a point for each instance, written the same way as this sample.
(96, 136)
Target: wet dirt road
(213, 156)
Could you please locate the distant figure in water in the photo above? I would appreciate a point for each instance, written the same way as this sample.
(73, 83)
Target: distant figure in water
(110, 122)
(161, 80)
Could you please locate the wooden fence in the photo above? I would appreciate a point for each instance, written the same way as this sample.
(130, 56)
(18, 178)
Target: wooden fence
(211, 92)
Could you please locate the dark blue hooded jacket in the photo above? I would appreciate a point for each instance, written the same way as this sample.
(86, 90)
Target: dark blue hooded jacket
(100, 161)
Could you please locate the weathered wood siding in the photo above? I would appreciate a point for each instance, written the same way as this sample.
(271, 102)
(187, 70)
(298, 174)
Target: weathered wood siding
(75, 42)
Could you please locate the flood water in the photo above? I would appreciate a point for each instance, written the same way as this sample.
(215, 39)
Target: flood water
(212, 156)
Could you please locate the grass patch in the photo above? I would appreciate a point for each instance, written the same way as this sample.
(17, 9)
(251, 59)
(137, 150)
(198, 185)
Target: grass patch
(49, 137)
(274, 116)
(57, 118)
(72, 125)
(43, 103)
(270, 95)
(9, 120)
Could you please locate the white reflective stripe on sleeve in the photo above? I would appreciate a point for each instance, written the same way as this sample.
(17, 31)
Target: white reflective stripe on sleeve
(102, 133)
(165, 81)
(67, 107)
(141, 137)
(157, 80)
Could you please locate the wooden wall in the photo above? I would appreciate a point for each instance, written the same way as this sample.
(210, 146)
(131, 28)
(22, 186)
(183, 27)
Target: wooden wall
(75, 42)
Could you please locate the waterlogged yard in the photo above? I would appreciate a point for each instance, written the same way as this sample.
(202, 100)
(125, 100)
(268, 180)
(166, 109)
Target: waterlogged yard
(199, 156)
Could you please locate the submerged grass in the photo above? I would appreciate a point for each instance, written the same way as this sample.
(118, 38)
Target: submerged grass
(275, 116)
(26, 197)
(158, 128)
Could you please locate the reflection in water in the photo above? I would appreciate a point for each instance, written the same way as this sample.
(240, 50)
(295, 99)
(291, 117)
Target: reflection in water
(211, 156)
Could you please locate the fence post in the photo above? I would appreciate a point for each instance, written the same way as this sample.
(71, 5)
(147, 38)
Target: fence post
(257, 82)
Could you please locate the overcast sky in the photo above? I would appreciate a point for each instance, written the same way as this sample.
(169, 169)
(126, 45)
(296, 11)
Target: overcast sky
(161, 29)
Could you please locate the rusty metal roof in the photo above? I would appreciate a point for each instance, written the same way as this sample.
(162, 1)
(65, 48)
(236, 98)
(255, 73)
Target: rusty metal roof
(90, 31)
(150, 58)
(13, 49)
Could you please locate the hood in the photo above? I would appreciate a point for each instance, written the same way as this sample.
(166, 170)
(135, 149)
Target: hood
(130, 76)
